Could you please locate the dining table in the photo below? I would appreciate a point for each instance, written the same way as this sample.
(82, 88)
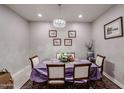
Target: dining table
(39, 72)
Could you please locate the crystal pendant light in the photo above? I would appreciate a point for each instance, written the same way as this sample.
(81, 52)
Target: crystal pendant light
(59, 22)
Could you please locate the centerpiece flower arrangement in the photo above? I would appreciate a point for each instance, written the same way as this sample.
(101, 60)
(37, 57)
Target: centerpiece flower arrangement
(63, 57)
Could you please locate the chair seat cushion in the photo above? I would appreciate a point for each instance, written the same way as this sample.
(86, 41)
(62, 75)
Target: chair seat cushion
(56, 82)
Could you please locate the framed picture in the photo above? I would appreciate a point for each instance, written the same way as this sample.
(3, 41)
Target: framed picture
(114, 29)
(68, 42)
(52, 33)
(57, 42)
(72, 34)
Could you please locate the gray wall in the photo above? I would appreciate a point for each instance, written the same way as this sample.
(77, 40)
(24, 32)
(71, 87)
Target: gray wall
(14, 41)
(113, 49)
(42, 45)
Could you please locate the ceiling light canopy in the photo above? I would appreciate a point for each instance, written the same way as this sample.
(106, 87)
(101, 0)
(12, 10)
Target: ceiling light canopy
(59, 22)
(39, 15)
(80, 16)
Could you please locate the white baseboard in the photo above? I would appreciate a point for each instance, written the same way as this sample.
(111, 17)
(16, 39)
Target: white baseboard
(114, 80)
(21, 77)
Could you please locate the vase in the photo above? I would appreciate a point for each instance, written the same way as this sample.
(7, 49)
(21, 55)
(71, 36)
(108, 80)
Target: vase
(90, 54)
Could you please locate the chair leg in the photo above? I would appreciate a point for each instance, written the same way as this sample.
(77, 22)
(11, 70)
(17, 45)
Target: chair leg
(33, 83)
(88, 84)
(93, 84)
(73, 85)
(47, 85)
(101, 79)
(64, 86)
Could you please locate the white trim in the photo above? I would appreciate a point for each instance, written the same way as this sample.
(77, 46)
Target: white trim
(21, 77)
(114, 80)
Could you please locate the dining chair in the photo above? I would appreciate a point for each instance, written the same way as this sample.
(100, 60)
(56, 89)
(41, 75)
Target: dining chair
(100, 62)
(81, 74)
(58, 55)
(72, 54)
(56, 75)
(34, 61)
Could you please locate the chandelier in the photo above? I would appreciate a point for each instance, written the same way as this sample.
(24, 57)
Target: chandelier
(59, 22)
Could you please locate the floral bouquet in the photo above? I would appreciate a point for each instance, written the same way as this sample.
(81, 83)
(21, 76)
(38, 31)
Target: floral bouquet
(63, 57)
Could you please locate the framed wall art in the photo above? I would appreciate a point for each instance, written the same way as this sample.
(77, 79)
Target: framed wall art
(114, 29)
(72, 34)
(57, 42)
(68, 42)
(52, 33)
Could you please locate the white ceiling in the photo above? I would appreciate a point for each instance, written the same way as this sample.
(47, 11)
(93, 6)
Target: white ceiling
(69, 12)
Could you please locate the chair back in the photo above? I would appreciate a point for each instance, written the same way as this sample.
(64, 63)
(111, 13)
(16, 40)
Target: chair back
(72, 54)
(58, 55)
(81, 71)
(34, 61)
(56, 71)
(99, 60)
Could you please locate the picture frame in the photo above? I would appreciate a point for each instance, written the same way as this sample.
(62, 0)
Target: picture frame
(57, 42)
(72, 34)
(68, 42)
(52, 33)
(114, 29)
